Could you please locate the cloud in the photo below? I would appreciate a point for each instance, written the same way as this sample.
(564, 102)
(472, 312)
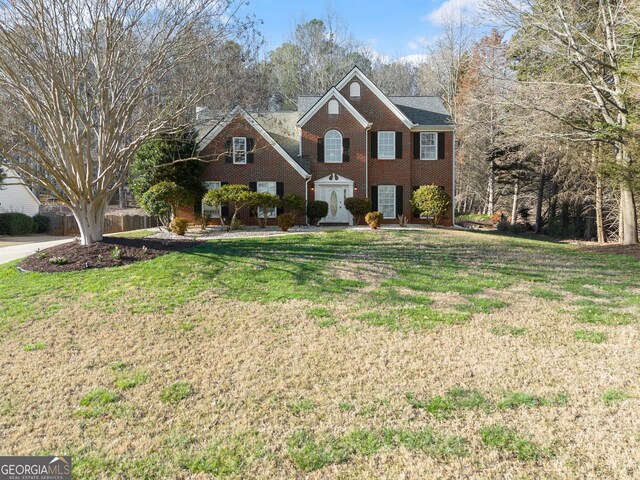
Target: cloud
(417, 43)
(452, 8)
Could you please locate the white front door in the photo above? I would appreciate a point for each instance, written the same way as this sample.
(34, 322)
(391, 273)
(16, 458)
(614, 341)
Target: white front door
(335, 195)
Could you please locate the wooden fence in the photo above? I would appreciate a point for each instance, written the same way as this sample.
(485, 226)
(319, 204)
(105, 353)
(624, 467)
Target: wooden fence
(66, 225)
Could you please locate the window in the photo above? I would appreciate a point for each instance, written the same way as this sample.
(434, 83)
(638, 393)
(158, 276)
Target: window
(213, 211)
(334, 107)
(333, 147)
(387, 145)
(267, 187)
(387, 200)
(428, 146)
(354, 89)
(239, 150)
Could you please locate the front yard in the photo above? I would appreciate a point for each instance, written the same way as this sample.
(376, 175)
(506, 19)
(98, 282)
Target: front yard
(436, 354)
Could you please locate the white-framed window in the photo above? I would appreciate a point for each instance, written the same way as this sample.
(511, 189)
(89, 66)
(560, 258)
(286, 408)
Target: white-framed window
(387, 145)
(267, 187)
(354, 89)
(334, 107)
(213, 211)
(428, 146)
(239, 150)
(333, 147)
(387, 200)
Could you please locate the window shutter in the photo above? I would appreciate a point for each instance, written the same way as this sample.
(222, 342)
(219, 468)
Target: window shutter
(253, 186)
(321, 149)
(228, 156)
(416, 145)
(374, 198)
(374, 145)
(398, 145)
(414, 211)
(345, 149)
(441, 145)
(280, 193)
(399, 200)
(224, 210)
(250, 145)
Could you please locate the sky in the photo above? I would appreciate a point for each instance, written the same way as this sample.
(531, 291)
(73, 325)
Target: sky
(395, 28)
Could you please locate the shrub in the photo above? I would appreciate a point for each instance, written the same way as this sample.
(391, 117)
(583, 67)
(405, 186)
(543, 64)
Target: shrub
(162, 200)
(503, 226)
(293, 203)
(203, 220)
(236, 196)
(116, 253)
(236, 224)
(14, 223)
(403, 221)
(41, 223)
(358, 207)
(374, 219)
(316, 211)
(179, 225)
(263, 204)
(431, 201)
(286, 221)
(58, 261)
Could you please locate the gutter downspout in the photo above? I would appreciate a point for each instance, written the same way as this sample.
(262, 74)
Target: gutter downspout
(366, 162)
(306, 198)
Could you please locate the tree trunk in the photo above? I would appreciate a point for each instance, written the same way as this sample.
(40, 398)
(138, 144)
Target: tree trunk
(90, 220)
(491, 189)
(599, 219)
(628, 219)
(540, 198)
(121, 197)
(514, 208)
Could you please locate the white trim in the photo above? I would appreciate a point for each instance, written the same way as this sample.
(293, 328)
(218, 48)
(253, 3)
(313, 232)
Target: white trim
(356, 84)
(377, 92)
(215, 131)
(340, 156)
(333, 107)
(435, 145)
(242, 161)
(395, 201)
(333, 93)
(393, 153)
(334, 180)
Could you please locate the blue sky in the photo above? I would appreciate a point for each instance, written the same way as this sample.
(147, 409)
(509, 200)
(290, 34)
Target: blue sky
(397, 28)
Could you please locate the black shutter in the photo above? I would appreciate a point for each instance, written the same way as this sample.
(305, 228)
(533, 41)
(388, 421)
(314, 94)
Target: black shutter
(253, 186)
(280, 193)
(321, 149)
(399, 200)
(416, 146)
(398, 145)
(414, 211)
(250, 145)
(374, 145)
(374, 198)
(441, 145)
(224, 210)
(228, 155)
(345, 149)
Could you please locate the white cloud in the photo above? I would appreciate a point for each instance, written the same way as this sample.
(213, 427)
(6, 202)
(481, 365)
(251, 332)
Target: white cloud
(452, 8)
(417, 43)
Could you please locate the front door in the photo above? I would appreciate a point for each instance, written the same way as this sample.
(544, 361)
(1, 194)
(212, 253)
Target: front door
(335, 195)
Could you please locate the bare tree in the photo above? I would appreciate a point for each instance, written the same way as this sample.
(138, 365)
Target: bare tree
(85, 82)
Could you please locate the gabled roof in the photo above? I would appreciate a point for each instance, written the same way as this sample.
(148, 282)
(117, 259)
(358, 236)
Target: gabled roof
(424, 110)
(333, 93)
(14, 180)
(239, 111)
(355, 72)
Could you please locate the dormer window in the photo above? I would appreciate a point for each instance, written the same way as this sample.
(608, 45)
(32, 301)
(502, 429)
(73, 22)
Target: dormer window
(334, 107)
(354, 89)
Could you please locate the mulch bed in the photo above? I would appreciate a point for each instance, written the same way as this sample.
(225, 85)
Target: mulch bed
(100, 254)
(614, 248)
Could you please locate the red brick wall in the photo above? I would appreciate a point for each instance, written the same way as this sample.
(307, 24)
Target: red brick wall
(268, 166)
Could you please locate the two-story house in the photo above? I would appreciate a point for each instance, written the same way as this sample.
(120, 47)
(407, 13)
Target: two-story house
(352, 141)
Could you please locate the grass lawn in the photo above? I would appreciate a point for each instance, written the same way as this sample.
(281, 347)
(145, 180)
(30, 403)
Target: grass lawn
(428, 354)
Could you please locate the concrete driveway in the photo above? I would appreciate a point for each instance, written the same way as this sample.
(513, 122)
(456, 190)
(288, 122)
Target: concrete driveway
(13, 248)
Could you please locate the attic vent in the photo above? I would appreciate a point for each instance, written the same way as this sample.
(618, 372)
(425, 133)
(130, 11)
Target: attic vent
(354, 89)
(334, 106)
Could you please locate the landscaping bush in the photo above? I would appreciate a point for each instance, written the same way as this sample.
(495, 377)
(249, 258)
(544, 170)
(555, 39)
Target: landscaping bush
(286, 221)
(293, 203)
(203, 220)
(14, 223)
(431, 201)
(316, 211)
(264, 203)
(235, 196)
(163, 199)
(374, 219)
(358, 207)
(41, 223)
(179, 225)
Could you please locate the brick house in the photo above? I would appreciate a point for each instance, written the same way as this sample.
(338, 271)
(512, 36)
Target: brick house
(352, 141)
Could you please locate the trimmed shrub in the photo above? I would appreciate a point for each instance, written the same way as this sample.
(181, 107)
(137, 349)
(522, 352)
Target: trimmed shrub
(358, 207)
(14, 223)
(316, 211)
(286, 221)
(293, 203)
(41, 223)
(374, 219)
(179, 225)
(431, 201)
(163, 199)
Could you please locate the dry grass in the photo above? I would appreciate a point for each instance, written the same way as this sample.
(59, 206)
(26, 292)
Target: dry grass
(261, 372)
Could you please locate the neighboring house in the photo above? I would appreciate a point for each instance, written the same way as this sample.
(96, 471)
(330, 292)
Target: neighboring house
(15, 196)
(352, 141)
